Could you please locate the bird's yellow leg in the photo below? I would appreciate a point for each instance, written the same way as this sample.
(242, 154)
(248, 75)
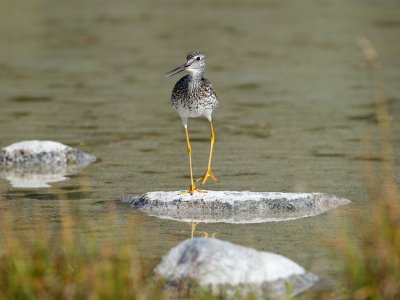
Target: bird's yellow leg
(192, 186)
(208, 172)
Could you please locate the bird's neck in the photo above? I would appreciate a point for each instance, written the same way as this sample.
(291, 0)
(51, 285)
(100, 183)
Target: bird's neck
(196, 74)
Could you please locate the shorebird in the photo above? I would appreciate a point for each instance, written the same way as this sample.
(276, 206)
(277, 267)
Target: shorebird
(193, 96)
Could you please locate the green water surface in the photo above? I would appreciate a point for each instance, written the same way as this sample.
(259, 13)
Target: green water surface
(295, 109)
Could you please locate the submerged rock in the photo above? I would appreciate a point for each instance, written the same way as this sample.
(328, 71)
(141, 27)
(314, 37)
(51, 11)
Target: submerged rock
(34, 164)
(219, 265)
(233, 207)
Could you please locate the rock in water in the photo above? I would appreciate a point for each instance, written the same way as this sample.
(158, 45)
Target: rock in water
(34, 164)
(232, 206)
(42, 153)
(217, 265)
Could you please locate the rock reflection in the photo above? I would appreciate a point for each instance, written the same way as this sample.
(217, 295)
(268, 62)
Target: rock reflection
(37, 177)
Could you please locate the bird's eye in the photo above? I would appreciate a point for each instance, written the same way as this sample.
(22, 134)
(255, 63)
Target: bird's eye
(198, 58)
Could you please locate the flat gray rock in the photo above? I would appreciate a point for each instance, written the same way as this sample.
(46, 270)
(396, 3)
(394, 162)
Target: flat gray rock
(216, 265)
(233, 207)
(35, 164)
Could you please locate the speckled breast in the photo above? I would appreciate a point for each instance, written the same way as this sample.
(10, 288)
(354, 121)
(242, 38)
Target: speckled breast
(192, 98)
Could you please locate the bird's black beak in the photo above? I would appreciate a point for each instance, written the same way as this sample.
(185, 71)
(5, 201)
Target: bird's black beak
(177, 70)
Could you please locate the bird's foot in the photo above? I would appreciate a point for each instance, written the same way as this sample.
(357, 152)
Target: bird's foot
(204, 178)
(192, 188)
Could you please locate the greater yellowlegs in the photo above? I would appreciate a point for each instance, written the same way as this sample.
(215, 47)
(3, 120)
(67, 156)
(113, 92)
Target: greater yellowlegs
(193, 96)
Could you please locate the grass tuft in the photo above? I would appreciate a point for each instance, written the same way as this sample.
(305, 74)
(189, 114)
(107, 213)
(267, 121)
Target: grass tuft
(372, 263)
(63, 264)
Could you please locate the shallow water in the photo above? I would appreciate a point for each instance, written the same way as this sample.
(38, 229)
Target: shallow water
(295, 107)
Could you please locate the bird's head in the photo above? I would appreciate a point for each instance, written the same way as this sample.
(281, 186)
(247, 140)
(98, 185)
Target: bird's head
(195, 65)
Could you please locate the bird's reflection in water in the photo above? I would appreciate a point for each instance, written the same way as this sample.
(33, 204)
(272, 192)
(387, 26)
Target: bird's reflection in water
(193, 231)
